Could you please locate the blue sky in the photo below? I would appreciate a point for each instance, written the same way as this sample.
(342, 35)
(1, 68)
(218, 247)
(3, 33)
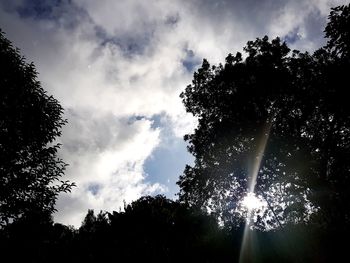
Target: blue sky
(118, 67)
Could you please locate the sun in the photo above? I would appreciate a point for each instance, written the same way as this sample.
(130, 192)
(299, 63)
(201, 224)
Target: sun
(252, 202)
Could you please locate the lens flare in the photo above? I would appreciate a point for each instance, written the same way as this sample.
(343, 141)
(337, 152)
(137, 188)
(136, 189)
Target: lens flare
(251, 202)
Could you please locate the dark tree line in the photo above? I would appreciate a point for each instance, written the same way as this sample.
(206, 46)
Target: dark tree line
(156, 229)
(274, 122)
(151, 229)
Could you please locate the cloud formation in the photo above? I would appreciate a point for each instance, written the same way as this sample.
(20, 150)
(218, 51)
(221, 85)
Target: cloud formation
(117, 65)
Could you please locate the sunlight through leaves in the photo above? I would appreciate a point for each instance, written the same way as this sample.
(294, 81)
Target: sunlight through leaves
(252, 202)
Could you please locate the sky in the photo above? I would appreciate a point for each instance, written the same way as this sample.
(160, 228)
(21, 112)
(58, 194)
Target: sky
(118, 67)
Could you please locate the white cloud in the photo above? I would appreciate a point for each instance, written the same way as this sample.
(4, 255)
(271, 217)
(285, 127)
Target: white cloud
(107, 61)
(106, 156)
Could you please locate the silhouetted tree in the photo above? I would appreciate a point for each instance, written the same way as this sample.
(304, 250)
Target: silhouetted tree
(296, 104)
(30, 121)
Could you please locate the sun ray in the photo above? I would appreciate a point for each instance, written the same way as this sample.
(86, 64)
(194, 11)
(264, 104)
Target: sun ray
(259, 156)
(250, 200)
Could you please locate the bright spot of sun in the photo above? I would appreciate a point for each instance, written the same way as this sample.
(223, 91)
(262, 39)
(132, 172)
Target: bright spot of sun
(251, 202)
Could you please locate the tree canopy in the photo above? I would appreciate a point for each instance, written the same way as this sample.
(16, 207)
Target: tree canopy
(30, 121)
(274, 122)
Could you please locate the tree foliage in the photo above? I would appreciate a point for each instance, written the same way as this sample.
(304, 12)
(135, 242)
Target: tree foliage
(30, 121)
(294, 102)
